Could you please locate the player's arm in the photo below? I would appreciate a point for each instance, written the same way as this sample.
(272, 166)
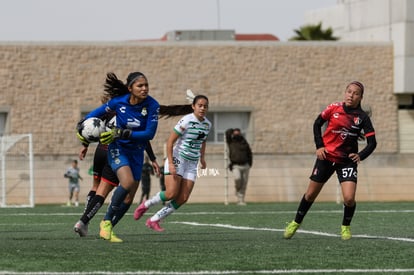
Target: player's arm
(170, 145)
(317, 131)
(153, 159)
(202, 153)
(150, 152)
(371, 140)
(152, 124)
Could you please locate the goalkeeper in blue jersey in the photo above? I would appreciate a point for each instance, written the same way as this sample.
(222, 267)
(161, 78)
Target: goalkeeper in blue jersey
(136, 124)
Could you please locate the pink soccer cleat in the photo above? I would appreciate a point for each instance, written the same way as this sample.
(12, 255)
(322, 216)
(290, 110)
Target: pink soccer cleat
(140, 211)
(154, 225)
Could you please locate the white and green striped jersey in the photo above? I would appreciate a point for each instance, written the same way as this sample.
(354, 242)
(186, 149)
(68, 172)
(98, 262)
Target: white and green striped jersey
(192, 134)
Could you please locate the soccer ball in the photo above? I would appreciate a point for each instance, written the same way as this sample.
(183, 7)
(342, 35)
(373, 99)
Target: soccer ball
(92, 128)
(111, 123)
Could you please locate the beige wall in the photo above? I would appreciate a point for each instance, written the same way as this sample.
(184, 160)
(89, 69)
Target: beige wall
(45, 86)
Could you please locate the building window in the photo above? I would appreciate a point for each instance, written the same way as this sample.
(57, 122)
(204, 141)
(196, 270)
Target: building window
(224, 120)
(3, 121)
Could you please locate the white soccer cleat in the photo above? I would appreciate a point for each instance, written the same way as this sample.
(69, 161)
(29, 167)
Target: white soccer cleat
(81, 229)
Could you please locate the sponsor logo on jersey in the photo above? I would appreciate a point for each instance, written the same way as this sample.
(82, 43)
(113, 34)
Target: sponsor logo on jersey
(133, 122)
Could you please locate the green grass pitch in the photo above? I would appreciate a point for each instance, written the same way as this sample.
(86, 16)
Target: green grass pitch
(212, 239)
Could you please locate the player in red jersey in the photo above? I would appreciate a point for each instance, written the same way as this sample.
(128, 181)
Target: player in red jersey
(337, 151)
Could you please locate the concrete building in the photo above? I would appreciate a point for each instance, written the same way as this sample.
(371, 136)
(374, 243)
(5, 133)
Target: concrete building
(271, 90)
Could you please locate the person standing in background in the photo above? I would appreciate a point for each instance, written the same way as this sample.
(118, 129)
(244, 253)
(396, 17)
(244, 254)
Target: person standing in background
(241, 160)
(72, 173)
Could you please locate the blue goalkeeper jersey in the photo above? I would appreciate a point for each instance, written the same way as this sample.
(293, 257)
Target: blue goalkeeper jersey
(141, 118)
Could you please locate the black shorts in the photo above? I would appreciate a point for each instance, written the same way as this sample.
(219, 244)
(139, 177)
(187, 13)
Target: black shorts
(100, 158)
(324, 169)
(101, 169)
(109, 176)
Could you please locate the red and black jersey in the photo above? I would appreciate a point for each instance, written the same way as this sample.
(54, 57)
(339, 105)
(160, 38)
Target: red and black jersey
(344, 126)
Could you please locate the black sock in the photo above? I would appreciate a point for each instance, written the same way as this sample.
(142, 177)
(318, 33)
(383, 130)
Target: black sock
(89, 198)
(303, 208)
(348, 214)
(93, 207)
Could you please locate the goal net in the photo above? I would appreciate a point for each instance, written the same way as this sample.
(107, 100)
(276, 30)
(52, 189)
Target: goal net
(16, 171)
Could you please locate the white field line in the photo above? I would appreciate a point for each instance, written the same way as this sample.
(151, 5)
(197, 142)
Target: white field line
(299, 231)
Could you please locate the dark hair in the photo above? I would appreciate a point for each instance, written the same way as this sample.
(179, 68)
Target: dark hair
(167, 111)
(114, 87)
(359, 84)
(132, 77)
(197, 97)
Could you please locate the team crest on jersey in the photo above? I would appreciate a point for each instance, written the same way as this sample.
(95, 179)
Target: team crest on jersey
(144, 111)
(357, 120)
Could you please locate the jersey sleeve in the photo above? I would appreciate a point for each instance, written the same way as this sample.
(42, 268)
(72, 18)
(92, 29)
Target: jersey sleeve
(181, 126)
(152, 124)
(325, 114)
(103, 110)
(369, 133)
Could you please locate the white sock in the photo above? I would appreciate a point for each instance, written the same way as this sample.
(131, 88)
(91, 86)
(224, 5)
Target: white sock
(163, 212)
(156, 199)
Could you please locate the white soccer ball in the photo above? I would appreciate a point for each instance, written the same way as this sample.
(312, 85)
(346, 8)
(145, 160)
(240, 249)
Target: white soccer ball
(111, 123)
(92, 128)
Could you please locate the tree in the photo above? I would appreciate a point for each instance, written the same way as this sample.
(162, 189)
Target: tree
(313, 32)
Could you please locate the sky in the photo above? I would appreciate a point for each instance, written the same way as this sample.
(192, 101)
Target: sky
(119, 20)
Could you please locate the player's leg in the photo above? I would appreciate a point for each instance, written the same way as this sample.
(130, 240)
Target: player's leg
(186, 188)
(347, 176)
(321, 172)
(172, 188)
(76, 194)
(104, 188)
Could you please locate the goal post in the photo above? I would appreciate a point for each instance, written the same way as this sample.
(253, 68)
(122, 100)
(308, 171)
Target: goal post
(16, 171)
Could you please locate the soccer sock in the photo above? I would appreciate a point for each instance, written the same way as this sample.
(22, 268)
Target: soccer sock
(89, 198)
(93, 207)
(117, 198)
(303, 208)
(156, 199)
(348, 214)
(165, 211)
(123, 208)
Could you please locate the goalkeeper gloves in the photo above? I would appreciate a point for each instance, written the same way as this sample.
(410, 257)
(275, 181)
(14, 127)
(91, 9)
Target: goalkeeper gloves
(113, 134)
(82, 139)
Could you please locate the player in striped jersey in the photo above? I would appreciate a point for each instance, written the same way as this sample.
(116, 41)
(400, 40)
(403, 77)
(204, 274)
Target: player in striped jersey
(337, 151)
(185, 148)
